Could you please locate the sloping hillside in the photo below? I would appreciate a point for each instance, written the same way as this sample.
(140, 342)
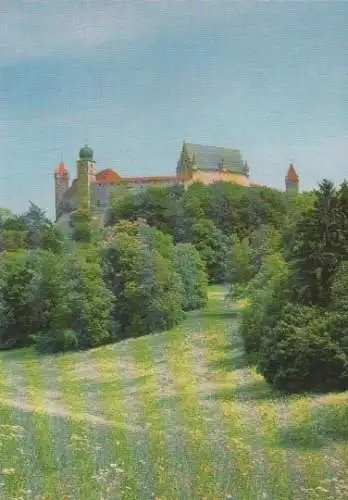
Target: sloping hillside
(168, 416)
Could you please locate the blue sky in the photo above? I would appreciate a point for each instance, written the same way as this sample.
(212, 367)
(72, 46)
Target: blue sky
(134, 78)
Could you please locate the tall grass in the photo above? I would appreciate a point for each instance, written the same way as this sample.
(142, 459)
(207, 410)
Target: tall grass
(175, 415)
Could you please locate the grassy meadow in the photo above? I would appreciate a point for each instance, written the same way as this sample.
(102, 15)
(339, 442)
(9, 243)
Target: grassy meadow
(176, 415)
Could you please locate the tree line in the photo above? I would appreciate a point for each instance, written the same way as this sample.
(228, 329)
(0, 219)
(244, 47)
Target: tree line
(295, 323)
(284, 253)
(149, 265)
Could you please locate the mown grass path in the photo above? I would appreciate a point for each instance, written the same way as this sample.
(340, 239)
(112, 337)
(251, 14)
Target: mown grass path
(176, 415)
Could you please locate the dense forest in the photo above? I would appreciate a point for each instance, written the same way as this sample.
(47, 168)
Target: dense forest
(284, 254)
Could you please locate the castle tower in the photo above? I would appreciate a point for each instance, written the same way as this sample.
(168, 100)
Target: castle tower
(86, 172)
(61, 184)
(292, 180)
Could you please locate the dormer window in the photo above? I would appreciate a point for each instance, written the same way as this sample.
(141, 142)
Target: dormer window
(194, 165)
(222, 167)
(246, 169)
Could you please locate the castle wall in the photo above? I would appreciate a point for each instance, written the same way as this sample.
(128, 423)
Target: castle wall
(100, 195)
(74, 202)
(208, 177)
(138, 185)
(61, 187)
(68, 202)
(291, 186)
(101, 192)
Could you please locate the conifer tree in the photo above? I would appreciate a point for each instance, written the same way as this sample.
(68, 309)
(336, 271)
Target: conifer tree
(316, 250)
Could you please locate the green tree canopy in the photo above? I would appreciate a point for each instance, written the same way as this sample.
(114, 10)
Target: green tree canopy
(148, 294)
(317, 247)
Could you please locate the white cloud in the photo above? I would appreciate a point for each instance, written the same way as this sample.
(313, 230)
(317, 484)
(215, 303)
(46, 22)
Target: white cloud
(34, 29)
(38, 28)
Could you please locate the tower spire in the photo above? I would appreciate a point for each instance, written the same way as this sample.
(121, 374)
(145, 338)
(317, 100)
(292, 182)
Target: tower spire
(61, 184)
(291, 179)
(61, 170)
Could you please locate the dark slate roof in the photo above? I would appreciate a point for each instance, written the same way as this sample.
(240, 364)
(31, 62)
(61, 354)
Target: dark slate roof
(210, 157)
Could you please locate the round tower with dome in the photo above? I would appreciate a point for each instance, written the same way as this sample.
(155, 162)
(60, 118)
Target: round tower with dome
(86, 173)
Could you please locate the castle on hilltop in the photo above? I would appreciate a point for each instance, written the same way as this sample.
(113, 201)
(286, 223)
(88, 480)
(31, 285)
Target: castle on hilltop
(91, 190)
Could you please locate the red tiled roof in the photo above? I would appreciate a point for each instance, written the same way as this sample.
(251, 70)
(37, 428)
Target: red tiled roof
(107, 175)
(155, 179)
(61, 170)
(132, 180)
(292, 175)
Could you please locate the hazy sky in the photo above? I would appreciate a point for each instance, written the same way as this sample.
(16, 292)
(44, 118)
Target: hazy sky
(134, 78)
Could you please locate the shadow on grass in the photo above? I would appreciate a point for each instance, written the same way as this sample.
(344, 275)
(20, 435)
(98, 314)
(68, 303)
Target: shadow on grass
(171, 400)
(254, 391)
(18, 353)
(301, 438)
(325, 425)
(12, 415)
(232, 357)
(213, 313)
